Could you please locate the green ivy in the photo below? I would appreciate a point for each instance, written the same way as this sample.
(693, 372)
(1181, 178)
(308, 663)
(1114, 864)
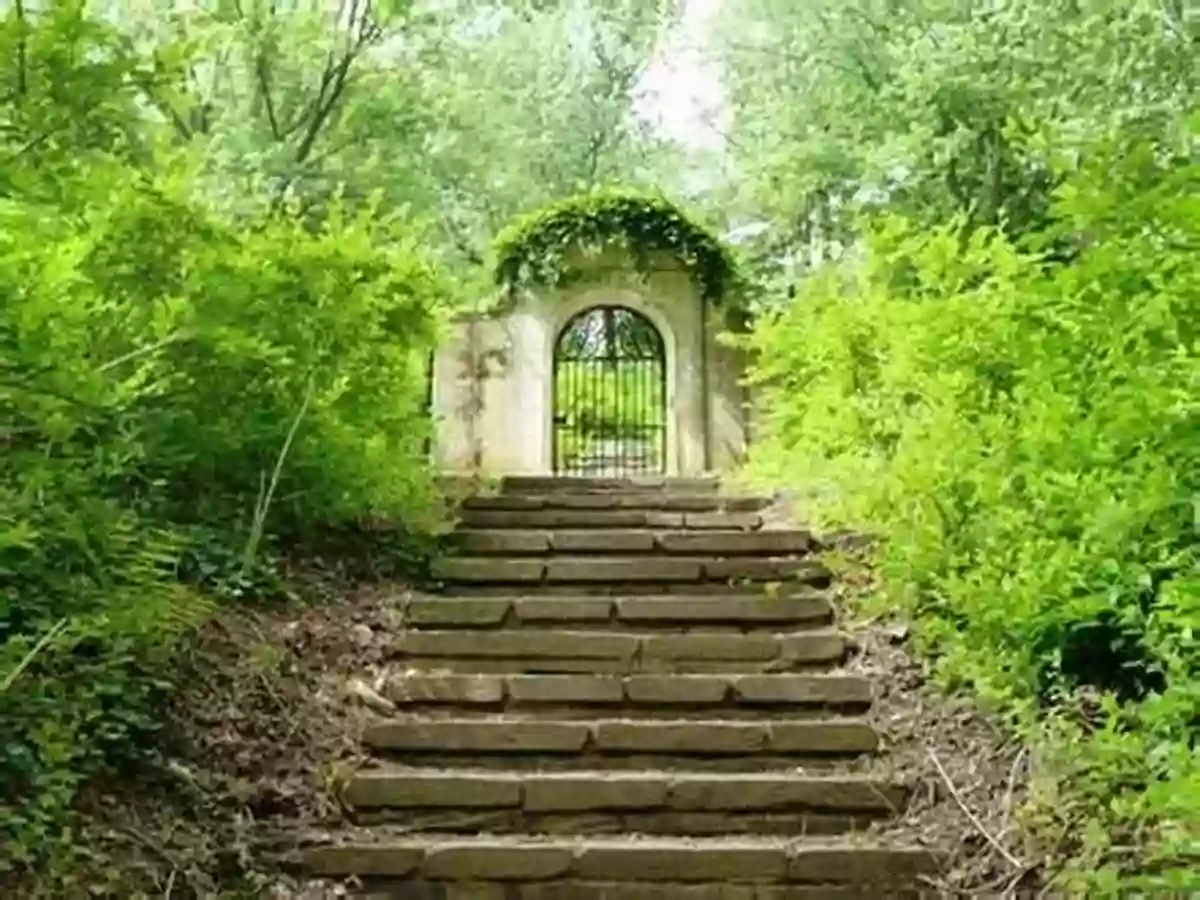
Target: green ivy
(533, 249)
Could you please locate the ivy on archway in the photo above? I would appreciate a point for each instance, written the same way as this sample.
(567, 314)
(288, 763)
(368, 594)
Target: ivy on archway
(533, 250)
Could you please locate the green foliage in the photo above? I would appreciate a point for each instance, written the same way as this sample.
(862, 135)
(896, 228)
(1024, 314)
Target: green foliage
(173, 386)
(512, 130)
(438, 107)
(213, 340)
(1026, 434)
(985, 213)
(536, 248)
(183, 394)
(934, 108)
(214, 333)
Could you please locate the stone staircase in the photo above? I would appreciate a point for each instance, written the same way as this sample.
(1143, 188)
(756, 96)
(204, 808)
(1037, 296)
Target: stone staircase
(627, 691)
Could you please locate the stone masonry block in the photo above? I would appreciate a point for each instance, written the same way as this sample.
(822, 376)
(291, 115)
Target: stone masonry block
(438, 687)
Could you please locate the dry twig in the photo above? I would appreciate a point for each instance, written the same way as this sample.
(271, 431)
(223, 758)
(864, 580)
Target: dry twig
(1012, 787)
(987, 835)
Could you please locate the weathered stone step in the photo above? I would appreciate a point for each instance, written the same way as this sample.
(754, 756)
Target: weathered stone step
(601, 791)
(604, 801)
(531, 542)
(861, 764)
(615, 822)
(745, 611)
(560, 889)
(627, 570)
(627, 860)
(647, 692)
(543, 484)
(550, 665)
(608, 518)
(511, 734)
(620, 652)
(583, 589)
(646, 500)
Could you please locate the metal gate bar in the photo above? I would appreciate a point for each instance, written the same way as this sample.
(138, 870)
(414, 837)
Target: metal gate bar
(610, 395)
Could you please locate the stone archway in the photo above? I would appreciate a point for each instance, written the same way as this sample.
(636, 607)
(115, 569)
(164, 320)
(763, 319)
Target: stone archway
(494, 375)
(609, 395)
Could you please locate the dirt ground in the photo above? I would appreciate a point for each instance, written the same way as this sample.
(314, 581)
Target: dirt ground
(969, 779)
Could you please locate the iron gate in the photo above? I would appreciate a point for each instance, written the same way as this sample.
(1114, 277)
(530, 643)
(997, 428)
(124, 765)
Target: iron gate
(610, 395)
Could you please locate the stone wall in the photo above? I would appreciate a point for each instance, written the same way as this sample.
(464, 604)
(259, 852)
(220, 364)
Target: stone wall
(493, 376)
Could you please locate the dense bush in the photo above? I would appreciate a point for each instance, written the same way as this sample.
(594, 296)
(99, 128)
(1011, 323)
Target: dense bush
(1026, 436)
(176, 392)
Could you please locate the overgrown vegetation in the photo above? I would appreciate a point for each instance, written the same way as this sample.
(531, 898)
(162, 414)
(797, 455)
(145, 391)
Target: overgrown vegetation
(990, 361)
(180, 393)
(536, 249)
(229, 236)
(230, 233)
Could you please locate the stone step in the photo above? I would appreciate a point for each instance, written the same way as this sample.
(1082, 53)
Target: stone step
(610, 570)
(572, 889)
(659, 501)
(862, 764)
(709, 693)
(624, 860)
(619, 652)
(744, 611)
(609, 518)
(511, 734)
(601, 791)
(545, 484)
(608, 802)
(585, 589)
(531, 542)
(616, 822)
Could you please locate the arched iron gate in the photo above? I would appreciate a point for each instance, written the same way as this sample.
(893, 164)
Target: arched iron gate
(610, 395)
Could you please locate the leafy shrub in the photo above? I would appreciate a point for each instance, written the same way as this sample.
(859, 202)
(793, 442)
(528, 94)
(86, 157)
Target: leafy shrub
(1027, 437)
(177, 392)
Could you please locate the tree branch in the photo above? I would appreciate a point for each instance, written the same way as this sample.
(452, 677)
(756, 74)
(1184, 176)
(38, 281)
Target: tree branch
(22, 51)
(362, 31)
(333, 83)
(334, 78)
(595, 145)
(32, 144)
(148, 84)
(262, 70)
(971, 817)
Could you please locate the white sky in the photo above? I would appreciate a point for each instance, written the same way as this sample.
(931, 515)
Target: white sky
(681, 91)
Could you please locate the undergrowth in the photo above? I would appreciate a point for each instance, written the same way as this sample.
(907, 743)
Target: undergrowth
(1025, 436)
(182, 398)
(253, 746)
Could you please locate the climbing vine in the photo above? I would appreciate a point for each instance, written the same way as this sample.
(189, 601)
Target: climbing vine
(534, 249)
